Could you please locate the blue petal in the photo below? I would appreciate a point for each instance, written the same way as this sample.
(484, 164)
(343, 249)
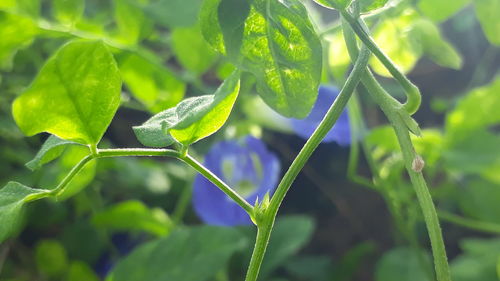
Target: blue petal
(340, 133)
(211, 204)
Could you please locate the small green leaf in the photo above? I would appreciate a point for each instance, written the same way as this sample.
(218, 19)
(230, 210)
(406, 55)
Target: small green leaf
(133, 215)
(191, 50)
(153, 85)
(192, 119)
(187, 254)
(75, 95)
(68, 11)
(335, 4)
(51, 258)
(16, 32)
(13, 196)
(131, 21)
(440, 10)
(370, 5)
(487, 12)
(51, 149)
(402, 264)
(80, 271)
(273, 40)
(71, 157)
(174, 13)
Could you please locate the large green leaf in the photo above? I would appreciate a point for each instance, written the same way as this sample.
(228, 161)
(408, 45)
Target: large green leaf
(174, 13)
(51, 149)
(15, 32)
(133, 215)
(273, 40)
(13, 196)
(478, 261)
(440, 10)
(75, 95)
(192, 119)
(479, 199)
(402, 264)
(487, 12)
(187, 254)
(191, 50)
(153, 85)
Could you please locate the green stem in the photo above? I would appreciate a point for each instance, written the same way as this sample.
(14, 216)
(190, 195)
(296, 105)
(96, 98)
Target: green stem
(265, 225)
(412, 92)
(385, 101)
(122, 152)
(483, 226)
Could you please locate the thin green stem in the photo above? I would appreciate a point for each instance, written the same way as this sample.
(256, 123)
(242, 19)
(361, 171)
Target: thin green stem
(385, 101)
(412, 92)
(266, 224)
(483, 226)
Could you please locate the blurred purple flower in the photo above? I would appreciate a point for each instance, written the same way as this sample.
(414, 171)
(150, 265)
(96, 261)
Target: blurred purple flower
(340, 133)
(247, 166)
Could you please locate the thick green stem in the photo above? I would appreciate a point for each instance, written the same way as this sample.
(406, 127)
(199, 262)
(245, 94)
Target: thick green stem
(413, 163)
(266, 224)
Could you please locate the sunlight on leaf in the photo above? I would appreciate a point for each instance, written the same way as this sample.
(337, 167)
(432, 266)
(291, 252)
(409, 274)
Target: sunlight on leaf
(16, 32)
(440, 10)
(487, 12)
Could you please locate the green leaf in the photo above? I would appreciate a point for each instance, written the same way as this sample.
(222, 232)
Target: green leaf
(68, 11)
(80, 271)
(187, 254)
(153, 85)
(16, 32)
(402, 264)
(174, 13)
(13, 196)
(478, 262)
(487, 12)
(51, 258)
(338, 56)
(75, 95)
(289, 235)
(192, 119)
(335, 4)
(133, 215)
(395, 38)
(71, 157)
(479, 199)
(440, 10)
(131, 21)
(273, 40)
(191, 50)
(370, 5)
(51, 149)
(435, 46)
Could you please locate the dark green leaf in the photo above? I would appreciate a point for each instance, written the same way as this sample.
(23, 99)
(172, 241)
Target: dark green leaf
(192, 51)
(174, 13)
(75, 95)
(479, 200)
(273, 40)
(187, 254)
(68, 11)
(487, 12)
(440, 10)
(192, 119)
(51, 149)
(16, 32)
(403, 264)
(13, 196)
(133, 215)
(153, 85)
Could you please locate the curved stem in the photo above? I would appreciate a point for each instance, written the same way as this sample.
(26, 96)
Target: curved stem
(384, 100)
(470, 223)
(265, 225)
(412, 92)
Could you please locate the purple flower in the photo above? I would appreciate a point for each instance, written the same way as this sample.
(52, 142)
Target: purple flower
(247, 166)
(340, 133)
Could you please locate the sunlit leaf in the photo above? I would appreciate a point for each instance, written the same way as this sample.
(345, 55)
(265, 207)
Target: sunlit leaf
(13, 196)
(15, 32)
(192, 119)
(273, 40)
(370, 5)
(153, 85)
(80, 271)
(187, 254)
(71, 157)
(131, 21)
(50, 150)
(68, 11)
(440, 10)
(487, 12)
(133, 215)
(192, 51)
(338, 56)
(75, 95)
